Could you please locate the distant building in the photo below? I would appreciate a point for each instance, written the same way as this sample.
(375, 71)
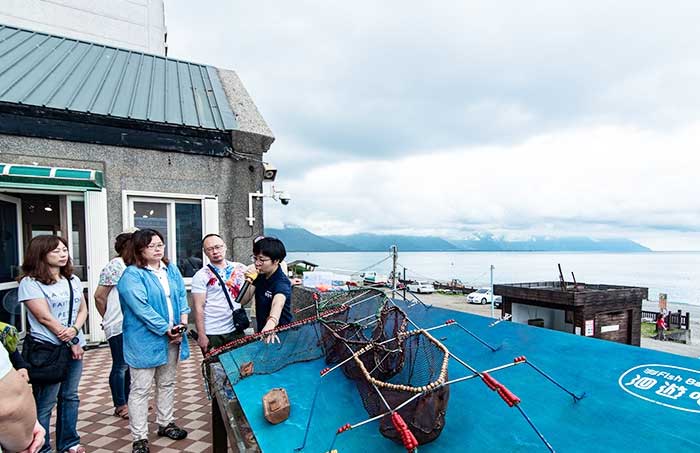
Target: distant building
(608, 312)
(137, 25)
(96, 139)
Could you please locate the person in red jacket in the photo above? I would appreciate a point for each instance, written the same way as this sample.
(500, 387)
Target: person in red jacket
(661, 326)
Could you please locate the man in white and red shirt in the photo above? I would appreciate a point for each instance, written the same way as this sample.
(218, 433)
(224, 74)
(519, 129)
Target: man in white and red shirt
(213, 314)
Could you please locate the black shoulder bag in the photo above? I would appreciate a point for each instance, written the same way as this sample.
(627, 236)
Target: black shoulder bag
(240, 319)
(48, 362)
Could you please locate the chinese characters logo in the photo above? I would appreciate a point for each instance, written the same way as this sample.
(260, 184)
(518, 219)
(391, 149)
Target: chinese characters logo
(667, 385)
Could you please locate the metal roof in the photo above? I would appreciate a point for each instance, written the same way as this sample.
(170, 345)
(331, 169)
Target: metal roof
(61, 73)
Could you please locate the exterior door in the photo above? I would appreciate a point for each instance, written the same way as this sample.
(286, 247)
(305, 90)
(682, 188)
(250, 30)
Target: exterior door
(11, 311)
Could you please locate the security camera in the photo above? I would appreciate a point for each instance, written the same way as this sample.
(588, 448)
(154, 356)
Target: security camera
(285, 198)
(269, 172)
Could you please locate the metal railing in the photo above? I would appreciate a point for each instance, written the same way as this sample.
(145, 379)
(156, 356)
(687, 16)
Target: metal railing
(673, 319)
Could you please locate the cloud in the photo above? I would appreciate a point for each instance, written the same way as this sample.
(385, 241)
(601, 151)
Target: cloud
(364, 78)
(600, 181)
(546, 118)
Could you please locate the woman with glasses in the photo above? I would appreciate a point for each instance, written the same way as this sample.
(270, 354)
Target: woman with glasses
(154, 305)
(46, 287)
(273, 290)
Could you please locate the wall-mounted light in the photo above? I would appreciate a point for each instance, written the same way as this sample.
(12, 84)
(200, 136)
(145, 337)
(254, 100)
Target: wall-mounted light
(48, 207)
(269, 172)
(278, 195)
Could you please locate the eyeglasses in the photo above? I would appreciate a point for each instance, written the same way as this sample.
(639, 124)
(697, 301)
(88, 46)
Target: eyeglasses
(155, 246)
(255, 259)
(216, 248)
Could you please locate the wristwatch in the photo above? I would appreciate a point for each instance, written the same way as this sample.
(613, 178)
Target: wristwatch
(73, 341)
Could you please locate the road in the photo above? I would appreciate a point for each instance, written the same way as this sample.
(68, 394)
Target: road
(459, 303)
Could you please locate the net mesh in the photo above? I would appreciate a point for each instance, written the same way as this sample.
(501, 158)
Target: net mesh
(365, 333)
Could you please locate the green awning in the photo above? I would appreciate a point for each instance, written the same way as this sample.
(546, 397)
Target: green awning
(54, 178)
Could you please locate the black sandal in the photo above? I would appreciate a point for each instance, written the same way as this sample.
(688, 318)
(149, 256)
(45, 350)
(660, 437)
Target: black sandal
(140, 446)
(172, 431)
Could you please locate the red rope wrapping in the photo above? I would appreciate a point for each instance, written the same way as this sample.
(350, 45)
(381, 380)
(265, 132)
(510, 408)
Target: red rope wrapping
(209, 357)
(344, 428)
(506, 395)
(519, 359)
(407, 438)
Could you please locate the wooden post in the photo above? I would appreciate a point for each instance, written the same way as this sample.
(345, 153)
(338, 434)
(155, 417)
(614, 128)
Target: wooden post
(561, 278)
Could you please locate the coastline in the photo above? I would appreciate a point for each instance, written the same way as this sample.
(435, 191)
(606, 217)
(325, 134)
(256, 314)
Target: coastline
(459, 303)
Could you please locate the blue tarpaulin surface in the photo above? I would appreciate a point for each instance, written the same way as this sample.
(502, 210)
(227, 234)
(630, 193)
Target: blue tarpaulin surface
(635, 399)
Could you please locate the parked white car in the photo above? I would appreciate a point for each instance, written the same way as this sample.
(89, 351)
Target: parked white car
(483, 296)
(421, 287)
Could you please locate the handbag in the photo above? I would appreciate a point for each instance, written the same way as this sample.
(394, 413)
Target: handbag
(240, 318)
(48, 362)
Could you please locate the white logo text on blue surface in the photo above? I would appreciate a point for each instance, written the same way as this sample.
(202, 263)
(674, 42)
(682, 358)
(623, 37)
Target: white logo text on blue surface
(667, 385)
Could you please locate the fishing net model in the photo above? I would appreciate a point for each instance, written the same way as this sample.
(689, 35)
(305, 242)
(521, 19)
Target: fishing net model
(400, 369)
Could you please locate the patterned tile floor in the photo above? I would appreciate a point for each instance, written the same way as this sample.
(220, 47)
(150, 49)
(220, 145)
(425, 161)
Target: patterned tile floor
(102, 432)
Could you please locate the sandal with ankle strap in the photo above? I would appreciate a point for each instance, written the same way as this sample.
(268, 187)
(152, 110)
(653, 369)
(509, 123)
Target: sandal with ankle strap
(122, 412)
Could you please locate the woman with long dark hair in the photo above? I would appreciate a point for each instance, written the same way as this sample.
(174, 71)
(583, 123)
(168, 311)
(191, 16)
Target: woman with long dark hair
(46, 286)
(107, 304)
(154, 304)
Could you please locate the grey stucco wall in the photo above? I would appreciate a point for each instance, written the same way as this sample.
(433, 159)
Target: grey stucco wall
(155, 171)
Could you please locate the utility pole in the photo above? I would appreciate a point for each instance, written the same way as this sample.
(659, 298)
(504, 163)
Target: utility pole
(394, 258)
(404, 283)
(492, 268)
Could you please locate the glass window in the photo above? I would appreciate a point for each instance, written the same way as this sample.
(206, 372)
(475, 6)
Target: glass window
(9, 251)
(152, 215)
(180, 223)
(77, 238)
(188, 231)
(10, 308)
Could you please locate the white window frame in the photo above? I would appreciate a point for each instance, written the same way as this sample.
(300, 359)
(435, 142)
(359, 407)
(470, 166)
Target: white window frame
(69, 216)
(131, 196)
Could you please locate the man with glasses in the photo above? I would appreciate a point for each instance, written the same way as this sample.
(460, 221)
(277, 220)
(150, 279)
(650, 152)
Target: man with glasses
(273, 290)
(213, 313)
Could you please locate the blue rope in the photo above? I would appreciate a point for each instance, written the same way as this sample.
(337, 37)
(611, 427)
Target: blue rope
(535, 428)
(576, 397)
(330, 449)
(308, 422)
(477, 338)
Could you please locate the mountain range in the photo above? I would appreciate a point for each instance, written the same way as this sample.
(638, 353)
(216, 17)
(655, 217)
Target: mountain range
(298, 239)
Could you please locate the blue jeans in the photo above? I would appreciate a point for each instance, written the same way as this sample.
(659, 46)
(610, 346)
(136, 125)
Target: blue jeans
(66, 394)
(119, 379)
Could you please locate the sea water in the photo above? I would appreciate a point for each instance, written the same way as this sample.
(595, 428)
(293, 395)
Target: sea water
(676, 274)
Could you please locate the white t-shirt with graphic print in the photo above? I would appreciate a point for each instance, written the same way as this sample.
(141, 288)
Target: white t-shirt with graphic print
(56, 296)
(218, 318)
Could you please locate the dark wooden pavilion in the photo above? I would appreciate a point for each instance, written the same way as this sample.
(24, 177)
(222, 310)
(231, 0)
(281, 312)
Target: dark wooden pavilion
(609, 312)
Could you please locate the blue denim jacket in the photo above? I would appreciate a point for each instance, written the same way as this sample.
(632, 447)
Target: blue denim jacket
(146, 315)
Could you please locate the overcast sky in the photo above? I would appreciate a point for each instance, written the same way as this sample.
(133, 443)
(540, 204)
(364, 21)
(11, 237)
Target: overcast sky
(454, 117)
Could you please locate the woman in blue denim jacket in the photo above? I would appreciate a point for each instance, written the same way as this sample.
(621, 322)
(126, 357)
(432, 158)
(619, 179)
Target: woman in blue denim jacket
(154, 304)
